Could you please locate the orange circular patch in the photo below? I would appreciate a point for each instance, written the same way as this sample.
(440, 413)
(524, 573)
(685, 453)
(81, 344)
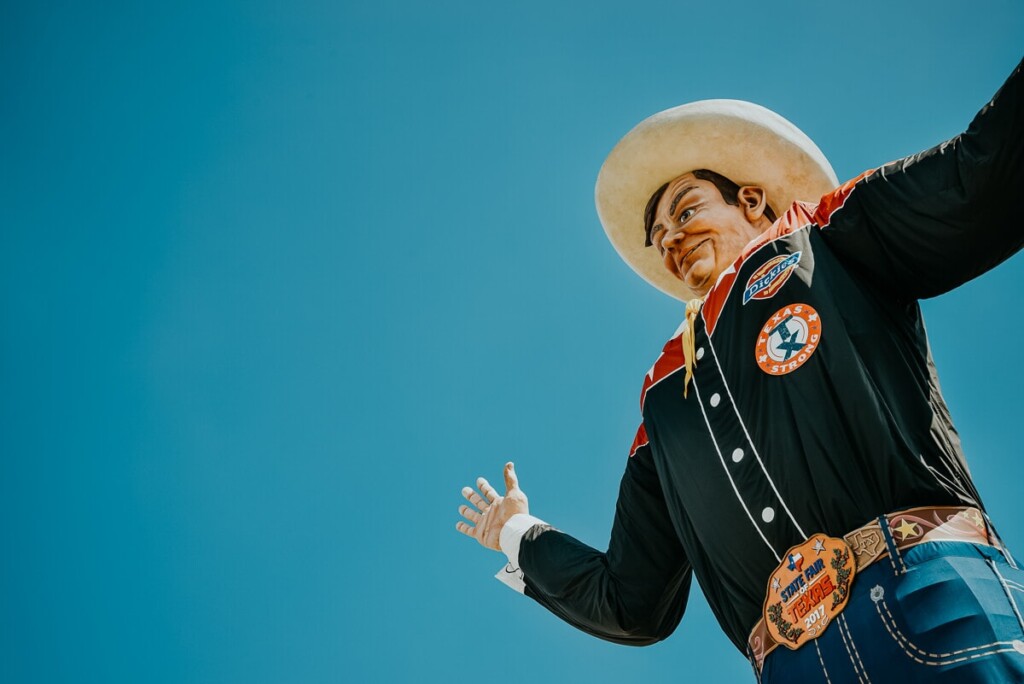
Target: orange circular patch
(788, 339)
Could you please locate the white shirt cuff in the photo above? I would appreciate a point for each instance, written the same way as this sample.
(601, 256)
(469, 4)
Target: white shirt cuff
(511, 537)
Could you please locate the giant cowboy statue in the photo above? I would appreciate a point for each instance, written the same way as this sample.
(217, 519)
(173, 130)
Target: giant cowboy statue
(797, 408)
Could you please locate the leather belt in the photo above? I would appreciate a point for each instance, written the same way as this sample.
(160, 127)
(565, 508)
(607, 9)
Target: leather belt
(906, 529)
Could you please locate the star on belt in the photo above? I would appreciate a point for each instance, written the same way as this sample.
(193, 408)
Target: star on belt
(907, 529)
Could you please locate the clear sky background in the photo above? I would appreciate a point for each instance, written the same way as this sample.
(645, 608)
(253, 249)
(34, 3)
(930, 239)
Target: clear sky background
(278, 278)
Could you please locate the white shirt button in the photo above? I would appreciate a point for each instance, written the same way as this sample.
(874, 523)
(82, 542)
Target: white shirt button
(715, 399)
(737, 455)
(700, 353)
(768, 514)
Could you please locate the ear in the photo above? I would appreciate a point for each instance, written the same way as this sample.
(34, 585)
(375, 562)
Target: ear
(753, 201)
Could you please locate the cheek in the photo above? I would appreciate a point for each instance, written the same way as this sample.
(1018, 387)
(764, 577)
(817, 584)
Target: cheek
(705, 256)
(732, 247)
(669, 263)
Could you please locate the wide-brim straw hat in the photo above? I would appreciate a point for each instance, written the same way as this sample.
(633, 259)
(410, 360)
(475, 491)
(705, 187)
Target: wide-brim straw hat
(743, 141)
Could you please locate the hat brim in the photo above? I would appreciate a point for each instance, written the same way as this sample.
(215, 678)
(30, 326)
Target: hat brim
(743, 141)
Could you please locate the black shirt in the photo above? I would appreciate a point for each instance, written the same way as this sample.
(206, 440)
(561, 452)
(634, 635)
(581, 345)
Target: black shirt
(814, 405)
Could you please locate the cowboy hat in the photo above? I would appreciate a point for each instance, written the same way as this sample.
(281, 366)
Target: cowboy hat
(740, 140)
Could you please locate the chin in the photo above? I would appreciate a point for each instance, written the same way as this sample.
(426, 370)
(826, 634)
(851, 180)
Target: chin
(699, 282)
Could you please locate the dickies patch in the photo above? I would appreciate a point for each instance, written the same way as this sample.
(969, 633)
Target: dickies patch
(770, 277)
(788, 339)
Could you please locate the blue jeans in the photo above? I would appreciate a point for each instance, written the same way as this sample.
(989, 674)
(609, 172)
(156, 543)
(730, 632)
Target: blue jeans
(940, 612)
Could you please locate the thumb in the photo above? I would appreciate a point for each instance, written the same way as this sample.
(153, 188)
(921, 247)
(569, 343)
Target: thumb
(511, 479)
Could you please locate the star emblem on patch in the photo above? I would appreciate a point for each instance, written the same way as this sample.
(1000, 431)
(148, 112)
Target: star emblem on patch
(818, 547)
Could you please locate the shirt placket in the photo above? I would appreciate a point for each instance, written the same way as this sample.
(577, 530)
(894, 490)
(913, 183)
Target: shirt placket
(753, 487)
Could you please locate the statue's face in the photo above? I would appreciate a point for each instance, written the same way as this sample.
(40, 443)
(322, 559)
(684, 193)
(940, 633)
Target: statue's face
(699, 234)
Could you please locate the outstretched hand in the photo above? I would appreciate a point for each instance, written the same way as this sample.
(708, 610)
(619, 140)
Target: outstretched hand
(489, 511)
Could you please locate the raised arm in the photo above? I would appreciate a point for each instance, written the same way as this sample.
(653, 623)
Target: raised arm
(925, 224)
(635, 593)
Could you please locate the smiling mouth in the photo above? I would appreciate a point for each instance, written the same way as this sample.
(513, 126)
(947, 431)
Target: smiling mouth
(691, 251)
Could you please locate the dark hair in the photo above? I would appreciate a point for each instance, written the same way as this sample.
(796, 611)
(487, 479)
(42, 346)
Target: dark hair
(726, 188)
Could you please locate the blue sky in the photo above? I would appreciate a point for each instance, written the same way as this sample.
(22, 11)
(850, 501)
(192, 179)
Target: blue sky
(277, 279)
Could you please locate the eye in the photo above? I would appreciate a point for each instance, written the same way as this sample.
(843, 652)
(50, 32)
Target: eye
(687, 213)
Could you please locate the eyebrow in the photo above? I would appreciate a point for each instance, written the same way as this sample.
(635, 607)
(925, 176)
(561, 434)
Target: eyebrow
(672, 207)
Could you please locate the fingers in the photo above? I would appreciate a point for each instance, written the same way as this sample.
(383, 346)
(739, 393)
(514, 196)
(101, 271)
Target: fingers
(490, 493)
(474, 498)
(484, 519)
(511, 479)
(470, 514)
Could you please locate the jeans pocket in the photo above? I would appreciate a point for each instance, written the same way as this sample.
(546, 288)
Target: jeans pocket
(947, 609)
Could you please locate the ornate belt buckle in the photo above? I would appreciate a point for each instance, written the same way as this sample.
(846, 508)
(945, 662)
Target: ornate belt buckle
(808, 589)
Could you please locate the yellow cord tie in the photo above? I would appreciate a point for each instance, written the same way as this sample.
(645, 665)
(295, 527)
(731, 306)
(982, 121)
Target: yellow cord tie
(689, 355)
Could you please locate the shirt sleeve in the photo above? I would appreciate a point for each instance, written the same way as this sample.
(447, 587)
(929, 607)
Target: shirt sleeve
(511, 539)
(923, 225)
(635, 592)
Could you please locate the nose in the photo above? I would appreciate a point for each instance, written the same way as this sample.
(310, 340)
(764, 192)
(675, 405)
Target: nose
(672, 237)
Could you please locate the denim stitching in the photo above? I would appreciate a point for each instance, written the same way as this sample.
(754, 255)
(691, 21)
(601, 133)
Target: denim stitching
(999, 543)
(1006, 590)
(822, 661)
(845, 625)
(901, 640)
(849, 653)
(890, 544)
(895, 570)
